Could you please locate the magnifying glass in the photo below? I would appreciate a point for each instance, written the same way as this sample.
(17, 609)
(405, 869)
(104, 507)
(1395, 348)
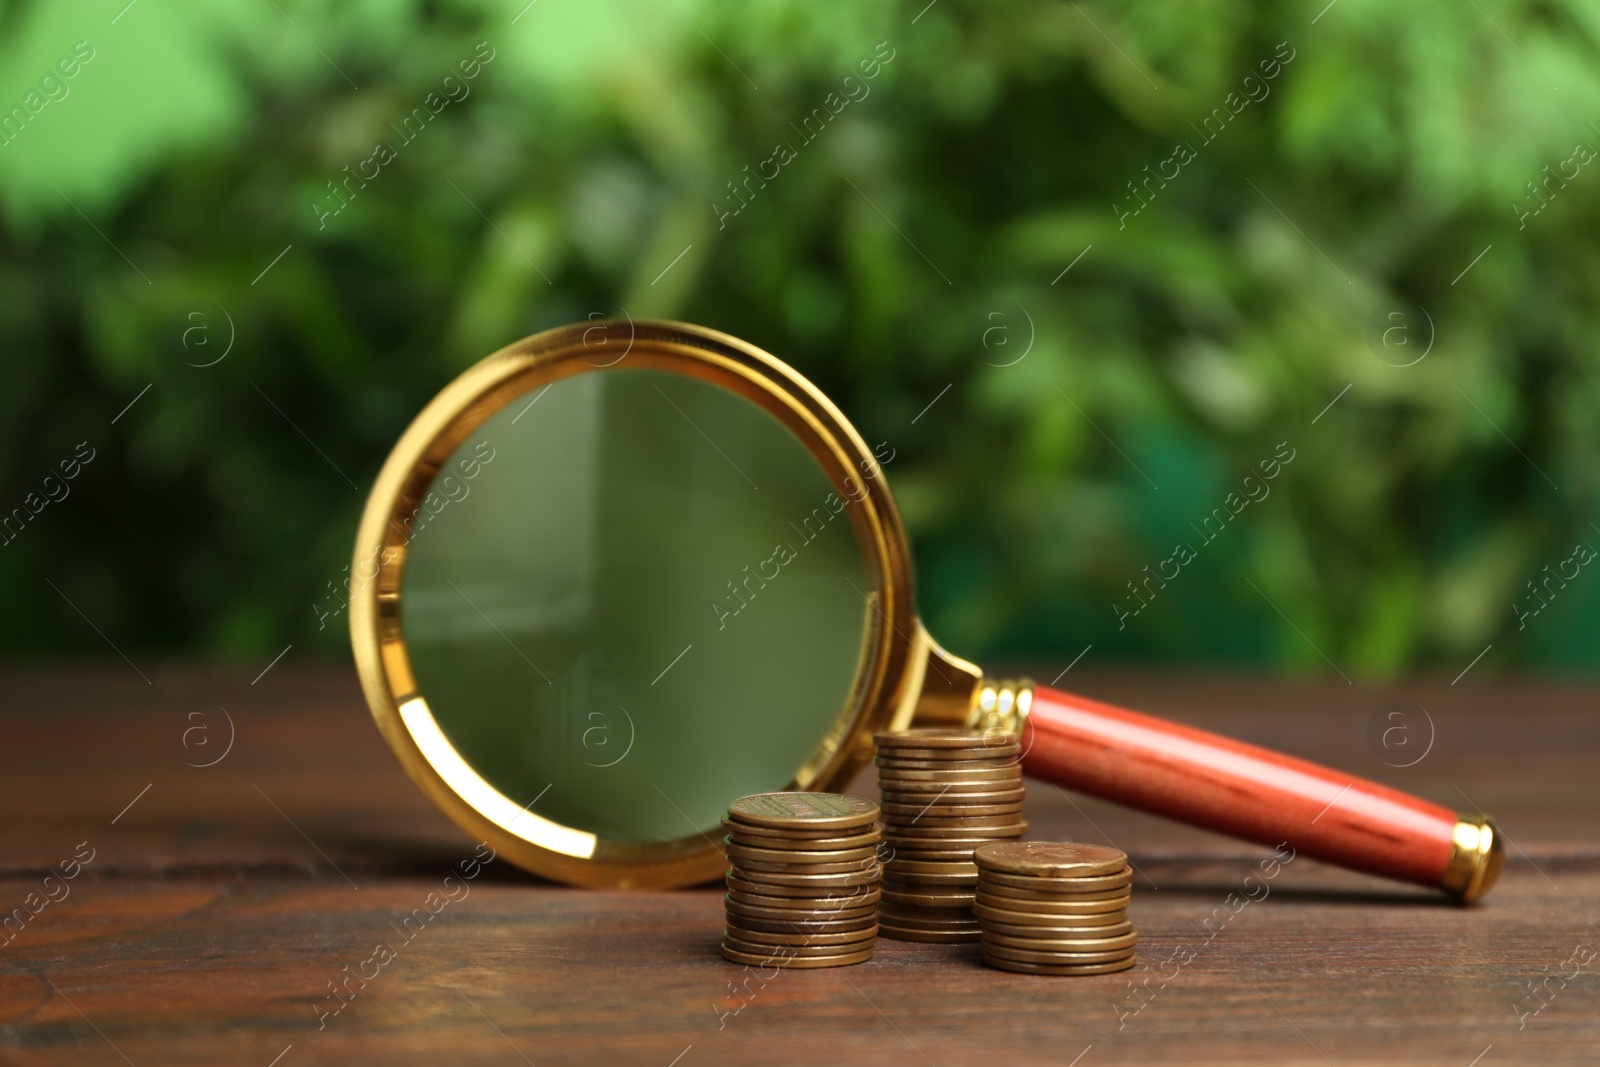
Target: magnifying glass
(620, 573)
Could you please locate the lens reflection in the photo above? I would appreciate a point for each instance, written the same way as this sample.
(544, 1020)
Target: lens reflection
(632, 597)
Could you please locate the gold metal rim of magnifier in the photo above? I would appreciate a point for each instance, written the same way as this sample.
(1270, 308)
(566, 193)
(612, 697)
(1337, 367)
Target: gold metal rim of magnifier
(902, 673)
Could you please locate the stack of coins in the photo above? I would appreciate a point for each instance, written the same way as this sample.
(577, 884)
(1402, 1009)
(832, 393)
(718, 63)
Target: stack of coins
(1049, 907)
(803, 876)
(945, 792)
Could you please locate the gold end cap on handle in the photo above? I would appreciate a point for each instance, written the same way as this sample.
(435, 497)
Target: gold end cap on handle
(1477, 853)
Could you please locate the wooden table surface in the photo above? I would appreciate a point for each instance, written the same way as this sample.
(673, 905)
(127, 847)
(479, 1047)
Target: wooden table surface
(212, 906)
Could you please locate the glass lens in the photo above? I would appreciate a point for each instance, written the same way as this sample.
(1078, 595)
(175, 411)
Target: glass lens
(631, 598)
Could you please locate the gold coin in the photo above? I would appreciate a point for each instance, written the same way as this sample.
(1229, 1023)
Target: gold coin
(936, 838)
(740, 944)
(860, 876)
(1116, 898)
(896, 762)
(955, 836)
(866, 855)
(1077, 945)
(980, 824)
(753, 941)
(840, 908)
(764, 933)
(808, 917)
(1060, 969)
(786, 840)
(941, 861)
(1052, 895)
(803, 850)
(1024, 884)
(833, 810)
(910, 884)
(924, 793)
(896, 867)
(961, 854)
(952, 755)
(1024, 900)
(903, 913)
(984, 908)
(802, 896)
(796, 830)
(954, 799)
(920, 857)
(954, 784)
(899, 814)
(758, 871)
(1023, 955)
(813, 914)
(940, 738)
(941, 765)
(912, 820)
(802, 925)
(1115, 926)
(755, 936)
(780, 957)
(930, 874)
(906, 791)
(976, 828)
(937, 937)
(995, 776)
(927, 855)
(945, 813)
(927, 918)
(1052, 859)
(929, 899)
(959, 849)
(1006, 897)
(826, 896)
(968, 881)
(802, 910)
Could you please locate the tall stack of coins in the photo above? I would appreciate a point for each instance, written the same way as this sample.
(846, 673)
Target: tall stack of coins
(803, 876)
(1049, 907)
(945, 792)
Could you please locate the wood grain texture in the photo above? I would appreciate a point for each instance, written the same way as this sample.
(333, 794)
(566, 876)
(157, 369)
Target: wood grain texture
(218, 907)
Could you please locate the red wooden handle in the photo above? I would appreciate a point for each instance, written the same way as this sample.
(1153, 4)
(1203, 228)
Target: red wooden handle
(1234, 788)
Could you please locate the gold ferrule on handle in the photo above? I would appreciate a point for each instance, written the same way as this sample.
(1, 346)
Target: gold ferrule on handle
(1476, 856)
(1001, 706)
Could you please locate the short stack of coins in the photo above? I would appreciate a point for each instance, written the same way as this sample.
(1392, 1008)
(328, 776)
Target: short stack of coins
(945, 792)
(1050, 907)
(803, 874)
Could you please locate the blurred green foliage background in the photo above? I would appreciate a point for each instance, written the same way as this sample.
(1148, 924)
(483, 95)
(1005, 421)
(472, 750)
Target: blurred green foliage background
(910, 254)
